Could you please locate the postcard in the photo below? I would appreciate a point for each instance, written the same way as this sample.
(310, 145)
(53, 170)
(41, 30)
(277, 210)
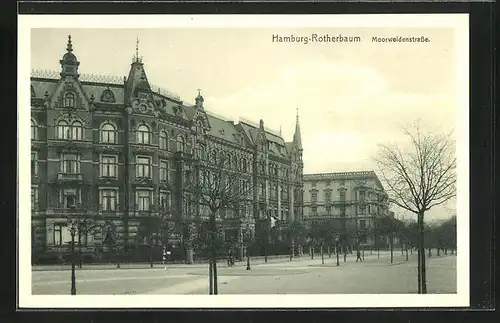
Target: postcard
(243, 161)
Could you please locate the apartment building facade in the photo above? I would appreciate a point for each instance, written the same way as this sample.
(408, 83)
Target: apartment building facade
(348, 202)
(116, 152)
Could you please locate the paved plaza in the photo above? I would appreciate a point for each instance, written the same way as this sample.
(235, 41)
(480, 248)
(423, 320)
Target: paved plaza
(376, 275)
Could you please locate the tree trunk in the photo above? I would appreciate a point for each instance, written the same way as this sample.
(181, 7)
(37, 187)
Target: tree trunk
(419, 260)
(73, 279)
(422, 265)
(210, 278)
(392, 248)
(214, 252)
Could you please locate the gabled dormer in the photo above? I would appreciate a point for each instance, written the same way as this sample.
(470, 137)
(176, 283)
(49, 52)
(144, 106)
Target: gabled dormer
(137, 87)
(69, 93)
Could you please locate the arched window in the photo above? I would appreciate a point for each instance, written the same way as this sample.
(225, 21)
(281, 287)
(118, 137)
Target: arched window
(228, 160)
(33, 130)
(63, 131)
(77, 130)
(198, 151)
(163, 140)
(107, 133)
(180, 143)
(142, 134)
(243, 165)
(69, 100)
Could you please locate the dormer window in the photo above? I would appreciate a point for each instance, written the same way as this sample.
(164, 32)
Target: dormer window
(69, 100)
(221, 131)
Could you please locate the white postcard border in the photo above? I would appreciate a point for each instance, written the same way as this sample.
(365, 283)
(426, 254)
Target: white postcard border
(460, 22)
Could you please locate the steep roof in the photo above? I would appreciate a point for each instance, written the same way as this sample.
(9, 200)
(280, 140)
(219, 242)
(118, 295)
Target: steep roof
(223, 129)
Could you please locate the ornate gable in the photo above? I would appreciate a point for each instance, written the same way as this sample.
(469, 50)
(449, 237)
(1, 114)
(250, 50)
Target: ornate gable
(70, 95)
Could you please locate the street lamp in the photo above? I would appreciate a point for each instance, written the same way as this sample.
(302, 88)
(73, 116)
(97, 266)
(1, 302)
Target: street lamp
(72, 231)
(337, 244)
(247, 236)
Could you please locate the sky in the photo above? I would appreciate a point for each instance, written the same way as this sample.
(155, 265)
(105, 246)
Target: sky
(350, 97)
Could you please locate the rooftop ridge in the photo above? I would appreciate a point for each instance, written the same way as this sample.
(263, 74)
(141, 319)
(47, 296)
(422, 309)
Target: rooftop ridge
(218, 116)
(101, 78)
(339, 174)
(256, 125)
(165, 92)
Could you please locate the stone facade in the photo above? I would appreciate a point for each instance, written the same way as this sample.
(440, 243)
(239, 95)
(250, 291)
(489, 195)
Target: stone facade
(353, 201)
(115, 153)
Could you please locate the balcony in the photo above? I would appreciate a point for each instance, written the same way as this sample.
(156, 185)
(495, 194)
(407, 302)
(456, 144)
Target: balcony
(69, 209)
(106, 209)
(70, 177)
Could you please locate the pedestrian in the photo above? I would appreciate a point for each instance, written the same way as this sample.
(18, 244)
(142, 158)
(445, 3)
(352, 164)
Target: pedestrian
(164, 258)
(358, 256)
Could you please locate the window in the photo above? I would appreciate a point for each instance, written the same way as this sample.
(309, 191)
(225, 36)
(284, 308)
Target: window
(76, 130)
(34, 163)
(187, 204)
(180, 143)
(69, 100)
(62, 234)
(144, 198)
(328, 210)
(107, 133)
(69, 198)
(163, 170)
(314, 196)
(342, 196)
(362, 224)
(70, 163)
(164, 200)
(362, 210)
(263, 189)
(243, 165)
(314, 210)
(109, 201)
(163, 140)
(313, 184)
(34, 197)
(361, 196)
(58, 230)
(142, 135)
(143, 167)
(33, 130)
(328, 196)
(342, 211)
(63, 130)
(109, 166)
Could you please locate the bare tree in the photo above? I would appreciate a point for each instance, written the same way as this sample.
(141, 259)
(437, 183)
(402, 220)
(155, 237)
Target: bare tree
(419, 176)
(221, 184)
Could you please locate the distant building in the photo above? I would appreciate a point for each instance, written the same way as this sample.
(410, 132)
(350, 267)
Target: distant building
(352, 202)
(116, 150)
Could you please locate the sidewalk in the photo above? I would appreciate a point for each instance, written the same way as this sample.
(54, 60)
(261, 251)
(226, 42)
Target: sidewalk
(158, 265)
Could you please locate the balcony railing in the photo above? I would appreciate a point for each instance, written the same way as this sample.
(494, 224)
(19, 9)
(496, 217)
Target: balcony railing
(70, 176)
(106, 209)
(75, 208)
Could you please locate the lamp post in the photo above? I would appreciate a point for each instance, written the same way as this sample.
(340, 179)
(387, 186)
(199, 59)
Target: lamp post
(72, 231)
(337, 244)
(247, 237)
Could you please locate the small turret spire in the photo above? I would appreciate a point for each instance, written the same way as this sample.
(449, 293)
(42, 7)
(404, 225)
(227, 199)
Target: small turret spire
(137, 48)
(69, 47)
(199, 99)
(69, 62)
(297, 140)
